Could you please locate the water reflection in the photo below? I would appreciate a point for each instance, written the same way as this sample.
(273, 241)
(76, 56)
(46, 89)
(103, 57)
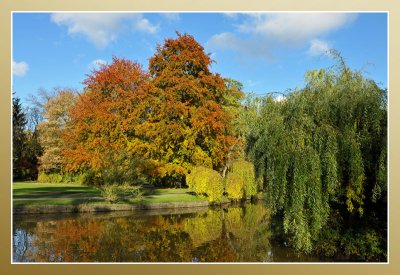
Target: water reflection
(230, 234)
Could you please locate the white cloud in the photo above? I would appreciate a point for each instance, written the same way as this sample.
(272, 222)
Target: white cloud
(319, 47)
(251, 47)
(231, 15)
(20, 68)
(260, 33)
(97, 63)
(171, 16)
(280, 98)
(142, 24)
(295, 27)
(102, 28)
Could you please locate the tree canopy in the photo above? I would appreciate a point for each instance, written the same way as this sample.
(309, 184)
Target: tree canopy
(321, 153)
(170, 119)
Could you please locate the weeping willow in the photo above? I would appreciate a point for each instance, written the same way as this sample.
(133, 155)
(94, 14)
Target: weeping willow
(321, 152)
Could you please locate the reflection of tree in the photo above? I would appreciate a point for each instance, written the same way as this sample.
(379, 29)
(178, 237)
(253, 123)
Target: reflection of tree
(121, 239)
(218, 250)
(204, 227)
(249, 229)
(231, 234)
(167, 246)
(65, 240)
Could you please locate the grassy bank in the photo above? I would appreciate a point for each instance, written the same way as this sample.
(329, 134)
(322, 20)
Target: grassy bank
(33, 193)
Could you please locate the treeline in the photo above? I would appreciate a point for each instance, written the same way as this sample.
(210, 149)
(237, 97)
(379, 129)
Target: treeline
(319, 154)
(142, 126)
(26, 145)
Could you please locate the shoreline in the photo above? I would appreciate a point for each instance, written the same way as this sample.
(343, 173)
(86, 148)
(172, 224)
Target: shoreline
(82, 208)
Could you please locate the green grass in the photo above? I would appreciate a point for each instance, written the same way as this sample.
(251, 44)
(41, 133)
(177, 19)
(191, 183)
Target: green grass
(56, 202)
(177, 198)
(163, 191)
(33, 193)
(33, 190)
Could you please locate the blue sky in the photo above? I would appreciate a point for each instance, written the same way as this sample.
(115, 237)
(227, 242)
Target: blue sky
(267, 52)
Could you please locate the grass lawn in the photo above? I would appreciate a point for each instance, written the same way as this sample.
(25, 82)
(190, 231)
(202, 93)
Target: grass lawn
(33, 193)
(170, 195)
(30, 190)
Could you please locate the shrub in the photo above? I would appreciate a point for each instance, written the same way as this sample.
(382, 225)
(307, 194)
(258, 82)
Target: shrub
(245, 170)
(234, 186)
(110, 192)
(131, 192)
(113, 192)
(59, 178)
(203, 180)
(73, 178)
(195, 182)
(50, 178)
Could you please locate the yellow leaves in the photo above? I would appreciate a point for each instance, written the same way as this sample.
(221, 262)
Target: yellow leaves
(234, 186)
(204, 180)
(201, 158)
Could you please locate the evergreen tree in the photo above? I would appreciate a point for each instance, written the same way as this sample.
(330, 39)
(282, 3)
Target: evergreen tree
(19, 139)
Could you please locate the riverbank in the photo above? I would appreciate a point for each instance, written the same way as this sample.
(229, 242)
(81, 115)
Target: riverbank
(41, 198)
(82, 208)
(48, 198)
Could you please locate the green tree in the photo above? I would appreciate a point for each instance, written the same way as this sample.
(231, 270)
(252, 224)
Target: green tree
(26, 147)
(232, 105)
(19, 139)
(321, 153)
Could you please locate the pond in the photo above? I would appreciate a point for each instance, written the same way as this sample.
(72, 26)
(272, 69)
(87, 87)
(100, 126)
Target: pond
(240, 233)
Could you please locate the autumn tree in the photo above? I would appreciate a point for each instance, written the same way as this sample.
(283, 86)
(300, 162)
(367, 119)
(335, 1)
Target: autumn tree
(101, 136)
(56, 116)
(158, 124)
(189, 125)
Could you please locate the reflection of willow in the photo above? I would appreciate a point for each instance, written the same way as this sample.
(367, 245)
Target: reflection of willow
(248, 229)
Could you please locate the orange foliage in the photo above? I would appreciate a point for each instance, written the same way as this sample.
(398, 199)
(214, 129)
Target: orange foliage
(172, 117)
(105, 116)
(192, 127)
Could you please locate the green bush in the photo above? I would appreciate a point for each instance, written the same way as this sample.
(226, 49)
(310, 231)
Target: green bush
(50, 178)
(206, 181)
(130, 192)
(234, 186)
(73, 178)
(113, 192)
(245, 170)
(60, 178)
(110, 192)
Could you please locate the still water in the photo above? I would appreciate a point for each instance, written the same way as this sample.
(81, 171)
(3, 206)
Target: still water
(229, 234)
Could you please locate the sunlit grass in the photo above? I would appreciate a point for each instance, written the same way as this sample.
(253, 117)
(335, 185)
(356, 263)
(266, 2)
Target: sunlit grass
(33, 193)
